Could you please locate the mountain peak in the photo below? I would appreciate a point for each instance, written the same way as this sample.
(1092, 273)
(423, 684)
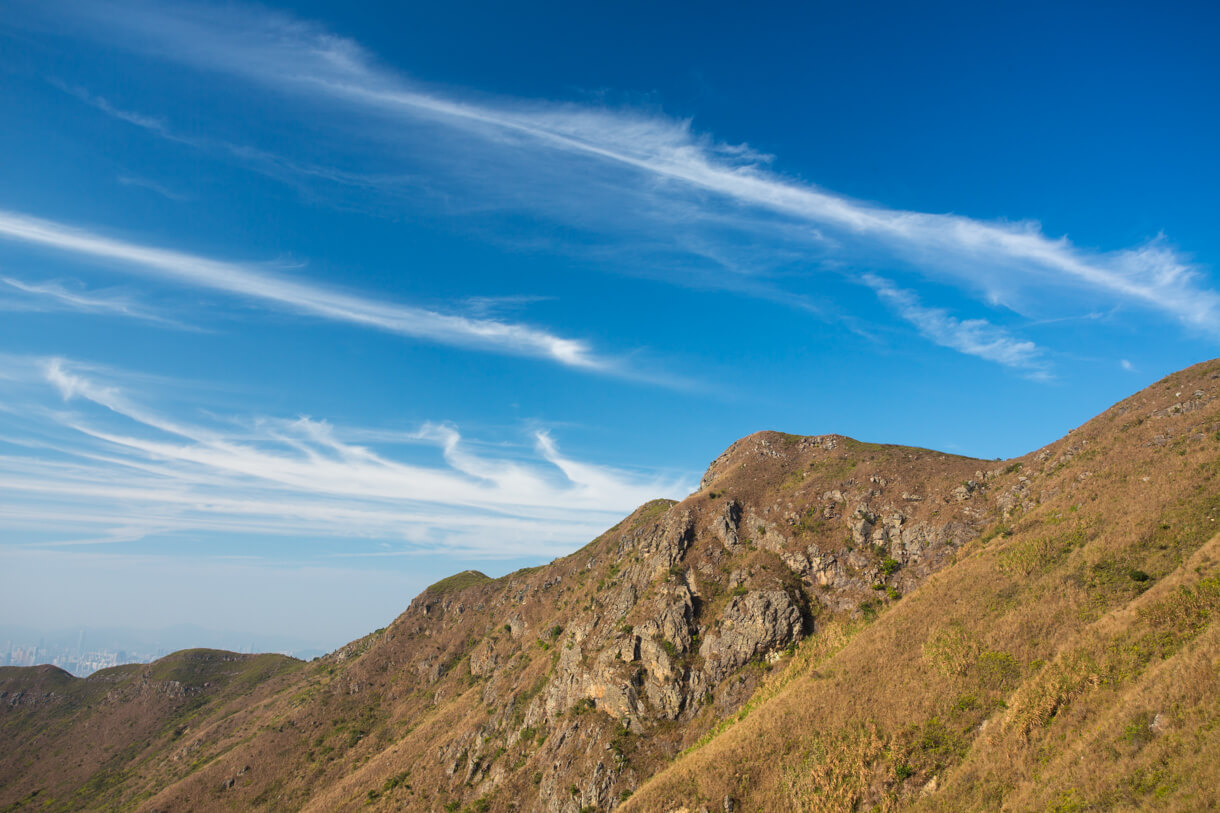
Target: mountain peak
(825, 620)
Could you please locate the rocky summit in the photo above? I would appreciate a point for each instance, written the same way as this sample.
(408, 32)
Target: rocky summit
(826, 624)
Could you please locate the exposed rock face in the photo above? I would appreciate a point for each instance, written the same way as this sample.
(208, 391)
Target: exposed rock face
(482, 658)
(725, 526)
(751, 626)
(671, 621)
(665, 542)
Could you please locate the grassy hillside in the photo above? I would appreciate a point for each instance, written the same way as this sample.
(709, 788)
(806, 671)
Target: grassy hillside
(83, 744)
(825, 625)
(1068, 660)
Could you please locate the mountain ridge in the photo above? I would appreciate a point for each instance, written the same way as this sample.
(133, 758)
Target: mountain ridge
(598, 680)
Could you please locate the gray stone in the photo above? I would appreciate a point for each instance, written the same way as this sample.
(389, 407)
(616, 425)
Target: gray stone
(751, 626)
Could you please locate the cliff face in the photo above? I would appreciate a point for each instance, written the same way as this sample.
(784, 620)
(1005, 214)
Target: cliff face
(567, 687)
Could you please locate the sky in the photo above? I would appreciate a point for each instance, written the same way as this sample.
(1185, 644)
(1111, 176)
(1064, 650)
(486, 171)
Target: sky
(304, 307)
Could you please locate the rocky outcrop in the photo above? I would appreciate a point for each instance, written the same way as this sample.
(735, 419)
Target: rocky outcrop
(671, 621)
(751, 626)
(664, 543)
(725, 525)
(483, 658)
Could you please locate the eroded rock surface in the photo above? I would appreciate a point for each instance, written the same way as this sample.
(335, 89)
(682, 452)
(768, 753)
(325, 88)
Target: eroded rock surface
(751, 626)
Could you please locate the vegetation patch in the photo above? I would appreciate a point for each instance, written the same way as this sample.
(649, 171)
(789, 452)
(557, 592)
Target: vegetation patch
(458, 581)
(1040, 554)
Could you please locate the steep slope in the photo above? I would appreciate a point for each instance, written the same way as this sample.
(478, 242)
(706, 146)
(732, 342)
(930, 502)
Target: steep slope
(825, 623)
(1067, 661)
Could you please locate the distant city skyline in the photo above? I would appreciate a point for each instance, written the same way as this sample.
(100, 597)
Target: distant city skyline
(87, 650)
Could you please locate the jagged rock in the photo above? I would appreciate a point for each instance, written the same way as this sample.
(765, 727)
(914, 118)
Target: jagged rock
(569, 685)
(663, 678)
(965, 490)
(797, 562)
(482, 658)
(858, 560)
(430, 668)
(628, 649)
(624, 601)
(657, 646)
(619, 698)
(751, 626)
(823, 568)
(861, 529)
(765, 534)
(1016, 497)
(665, 542)
(671, 622)
(725, 526)
(657, 661)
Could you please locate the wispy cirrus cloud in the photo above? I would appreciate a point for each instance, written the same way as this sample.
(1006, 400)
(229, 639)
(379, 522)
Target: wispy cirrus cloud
(1011, 263)
(55, 296)
(263, 161)
(152, 186)
(265, 286)
(974, 337)
(106, 468)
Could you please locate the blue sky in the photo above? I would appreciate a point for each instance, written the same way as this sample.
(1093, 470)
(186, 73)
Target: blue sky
(302, 308)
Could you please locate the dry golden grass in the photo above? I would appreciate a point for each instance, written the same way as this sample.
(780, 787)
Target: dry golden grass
(1067, 661)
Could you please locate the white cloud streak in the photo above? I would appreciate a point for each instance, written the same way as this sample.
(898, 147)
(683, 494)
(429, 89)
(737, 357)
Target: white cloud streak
(1011, 262)
(119, 471)
(51, 295)
(974, 337)
(152, 186)
(257, 284)
(267, 163)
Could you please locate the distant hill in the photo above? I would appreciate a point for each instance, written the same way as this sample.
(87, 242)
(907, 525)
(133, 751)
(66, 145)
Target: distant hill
(825, 625)
(131, 645)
